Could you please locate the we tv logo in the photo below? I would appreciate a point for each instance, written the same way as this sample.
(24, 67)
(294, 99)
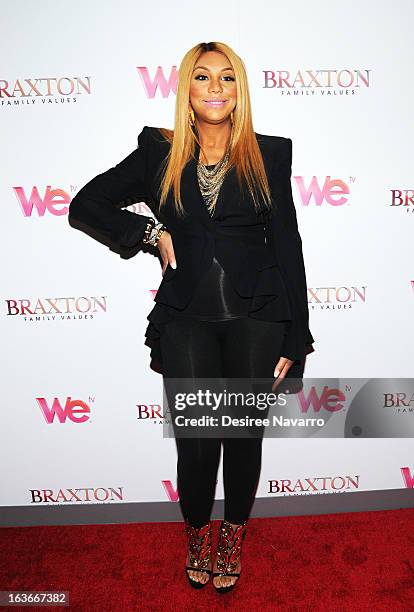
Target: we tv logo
(408, 477)
(329, 399)
(54, 201)
(75, 410)
(159, 82)
(171, 491)
(334, 192)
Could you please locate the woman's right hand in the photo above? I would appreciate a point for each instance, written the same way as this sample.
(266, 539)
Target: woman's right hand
(166, 249)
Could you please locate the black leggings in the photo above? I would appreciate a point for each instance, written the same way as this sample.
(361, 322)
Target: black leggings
(242, 347)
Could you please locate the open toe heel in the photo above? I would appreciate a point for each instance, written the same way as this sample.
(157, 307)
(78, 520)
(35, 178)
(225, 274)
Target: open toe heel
(199, 549)
(229, 552)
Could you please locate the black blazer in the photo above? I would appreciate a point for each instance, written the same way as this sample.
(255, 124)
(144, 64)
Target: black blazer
(246, 242)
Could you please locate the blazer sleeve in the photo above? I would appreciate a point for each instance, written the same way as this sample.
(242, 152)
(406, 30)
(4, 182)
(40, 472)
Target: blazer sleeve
(287, 245)
(95, 204)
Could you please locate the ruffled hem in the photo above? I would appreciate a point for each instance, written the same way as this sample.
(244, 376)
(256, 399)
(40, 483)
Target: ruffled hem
(162, 314)
(159, 316)
(269, 302)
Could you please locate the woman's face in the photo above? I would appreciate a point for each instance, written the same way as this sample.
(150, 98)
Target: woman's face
(213, 80)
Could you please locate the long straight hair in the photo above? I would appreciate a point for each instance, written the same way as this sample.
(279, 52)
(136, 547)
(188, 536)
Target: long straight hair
(245, 154)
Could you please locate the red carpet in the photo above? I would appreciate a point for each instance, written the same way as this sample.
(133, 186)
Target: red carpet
(336, 562)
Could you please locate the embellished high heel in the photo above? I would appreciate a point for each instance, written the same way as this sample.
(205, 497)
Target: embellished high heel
(229, 552)
(199, 548)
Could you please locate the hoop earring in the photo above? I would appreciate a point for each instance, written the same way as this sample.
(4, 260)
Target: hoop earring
(231, 118)
(192, 117)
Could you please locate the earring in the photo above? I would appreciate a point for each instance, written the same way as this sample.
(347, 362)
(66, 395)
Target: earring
(192, 118)
(231, 118)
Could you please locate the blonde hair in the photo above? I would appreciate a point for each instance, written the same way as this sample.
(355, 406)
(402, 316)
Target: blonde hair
(245, 152)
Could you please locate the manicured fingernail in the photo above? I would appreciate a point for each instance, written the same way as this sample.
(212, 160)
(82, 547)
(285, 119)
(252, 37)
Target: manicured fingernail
(173, 265)
(276, 373)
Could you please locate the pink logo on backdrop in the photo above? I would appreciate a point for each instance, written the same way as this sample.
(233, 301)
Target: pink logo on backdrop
(333, 191)
(171, 492)
(54, 201)
(331, 400)
(408, 477)
(76, 411)
(159, 81)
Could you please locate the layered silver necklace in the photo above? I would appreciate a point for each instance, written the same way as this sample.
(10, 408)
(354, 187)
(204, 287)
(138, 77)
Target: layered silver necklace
(211, 180)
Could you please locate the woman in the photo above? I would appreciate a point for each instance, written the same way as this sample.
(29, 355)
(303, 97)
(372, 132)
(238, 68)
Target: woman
(233, 298)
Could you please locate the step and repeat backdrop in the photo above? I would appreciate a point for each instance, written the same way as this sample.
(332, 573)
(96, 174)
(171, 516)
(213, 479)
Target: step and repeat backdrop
(82, 415)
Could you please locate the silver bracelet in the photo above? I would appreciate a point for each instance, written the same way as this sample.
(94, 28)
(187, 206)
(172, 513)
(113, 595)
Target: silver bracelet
(154, 234)
(148, 229)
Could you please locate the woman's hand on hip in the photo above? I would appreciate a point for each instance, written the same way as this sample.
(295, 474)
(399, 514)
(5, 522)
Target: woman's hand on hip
(166, 249)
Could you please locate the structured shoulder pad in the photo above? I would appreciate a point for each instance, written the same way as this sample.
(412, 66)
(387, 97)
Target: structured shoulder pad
(156, 134)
